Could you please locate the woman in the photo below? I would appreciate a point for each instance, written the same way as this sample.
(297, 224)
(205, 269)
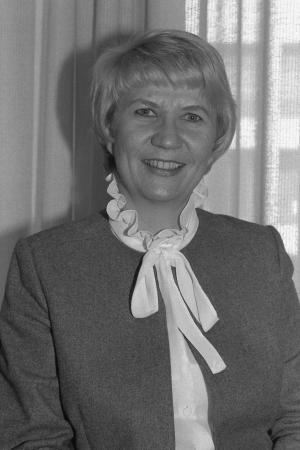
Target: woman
(159, 325)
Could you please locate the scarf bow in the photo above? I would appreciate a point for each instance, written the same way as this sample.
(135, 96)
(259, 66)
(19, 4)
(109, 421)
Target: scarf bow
(185, 299)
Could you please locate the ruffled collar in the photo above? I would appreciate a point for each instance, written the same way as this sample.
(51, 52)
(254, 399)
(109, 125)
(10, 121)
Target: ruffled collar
(125, 221)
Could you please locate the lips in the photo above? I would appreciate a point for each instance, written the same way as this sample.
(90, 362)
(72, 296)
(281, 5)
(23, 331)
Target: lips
(163, 165)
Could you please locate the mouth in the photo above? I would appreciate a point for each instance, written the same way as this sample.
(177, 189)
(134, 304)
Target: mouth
(163, 165)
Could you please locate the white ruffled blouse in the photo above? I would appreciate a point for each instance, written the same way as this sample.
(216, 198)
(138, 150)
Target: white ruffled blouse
(162, 251)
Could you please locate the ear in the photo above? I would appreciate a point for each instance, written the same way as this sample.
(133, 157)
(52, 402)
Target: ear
(109, 146)
(219, 149)
(110, 134)
(109, 139)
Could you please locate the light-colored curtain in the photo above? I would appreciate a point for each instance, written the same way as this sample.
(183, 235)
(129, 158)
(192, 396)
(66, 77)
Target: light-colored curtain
(259, 178)
(51, 169)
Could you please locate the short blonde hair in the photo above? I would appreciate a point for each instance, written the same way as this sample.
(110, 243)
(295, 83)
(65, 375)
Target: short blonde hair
(164, 57)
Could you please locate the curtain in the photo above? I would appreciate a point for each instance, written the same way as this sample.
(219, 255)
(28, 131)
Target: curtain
(259, 177)
(51, 169)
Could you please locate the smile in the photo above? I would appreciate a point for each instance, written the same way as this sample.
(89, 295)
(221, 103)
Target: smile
(164, 165)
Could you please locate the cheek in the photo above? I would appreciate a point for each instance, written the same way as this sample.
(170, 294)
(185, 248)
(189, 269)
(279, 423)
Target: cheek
(203, 151)
(207, 145)
(129, 146)
(203, 136)
(125, 154)
(125, 137)
(210, 136)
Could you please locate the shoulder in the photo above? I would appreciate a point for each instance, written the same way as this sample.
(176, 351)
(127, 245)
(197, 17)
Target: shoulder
(242, 240)
(71, 234)
(228, 227)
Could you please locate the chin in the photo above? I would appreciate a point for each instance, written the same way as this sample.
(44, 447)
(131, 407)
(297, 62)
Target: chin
(163, 195)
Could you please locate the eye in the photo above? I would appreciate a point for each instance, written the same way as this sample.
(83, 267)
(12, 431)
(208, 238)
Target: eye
(145, 112)
(192, 117)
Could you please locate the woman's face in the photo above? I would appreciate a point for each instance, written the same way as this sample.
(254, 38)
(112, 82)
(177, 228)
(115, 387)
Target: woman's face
(162, 142)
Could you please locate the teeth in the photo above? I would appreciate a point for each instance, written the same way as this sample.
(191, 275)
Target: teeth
(166, 165)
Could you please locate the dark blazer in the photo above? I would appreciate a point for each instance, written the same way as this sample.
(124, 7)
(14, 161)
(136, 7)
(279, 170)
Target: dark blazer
(78, 371)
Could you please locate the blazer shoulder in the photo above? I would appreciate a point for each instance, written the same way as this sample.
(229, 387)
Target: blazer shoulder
(240, 235)
(232, 225)
(88, 228)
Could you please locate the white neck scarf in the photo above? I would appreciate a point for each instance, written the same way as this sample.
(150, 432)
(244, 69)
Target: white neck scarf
(162, 251)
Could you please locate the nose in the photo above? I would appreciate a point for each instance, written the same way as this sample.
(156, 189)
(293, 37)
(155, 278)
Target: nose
(166, 135)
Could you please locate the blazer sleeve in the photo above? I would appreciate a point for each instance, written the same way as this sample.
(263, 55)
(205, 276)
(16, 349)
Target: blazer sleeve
(286, 430)
(31, 415)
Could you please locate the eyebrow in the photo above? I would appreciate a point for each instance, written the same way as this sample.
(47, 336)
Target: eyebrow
(145, 102)
(196, 108)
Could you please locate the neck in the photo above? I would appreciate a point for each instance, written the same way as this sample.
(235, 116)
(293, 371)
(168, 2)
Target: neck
(155, 217)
